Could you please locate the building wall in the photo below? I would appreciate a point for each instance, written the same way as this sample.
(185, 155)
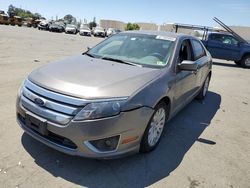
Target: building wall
(241, 30)
(112, 24)
(244, 32)
(148, 26)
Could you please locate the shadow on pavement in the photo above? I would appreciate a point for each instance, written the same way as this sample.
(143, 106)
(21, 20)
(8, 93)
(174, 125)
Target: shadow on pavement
(226, 64)
(140, 170)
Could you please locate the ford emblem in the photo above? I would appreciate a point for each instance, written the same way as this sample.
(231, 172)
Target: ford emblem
(39, 101)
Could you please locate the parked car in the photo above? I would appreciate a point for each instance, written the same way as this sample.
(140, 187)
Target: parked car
(85, 31)
(116, 98)
(4, 19)
(228, 47)
(16, 20)
(70, 28)
(223, 45)
(56, 27)
(31, 22)
(112, 31)
(44, 25)
(99, 32)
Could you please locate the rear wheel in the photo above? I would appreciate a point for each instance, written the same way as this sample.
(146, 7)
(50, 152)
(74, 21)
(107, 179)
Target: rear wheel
(204, 89)
(245, 62)
(153, 132)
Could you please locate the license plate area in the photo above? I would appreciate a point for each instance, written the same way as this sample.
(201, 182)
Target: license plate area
(37, 124)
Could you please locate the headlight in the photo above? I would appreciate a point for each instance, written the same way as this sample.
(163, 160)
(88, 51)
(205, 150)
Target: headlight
(99, 110)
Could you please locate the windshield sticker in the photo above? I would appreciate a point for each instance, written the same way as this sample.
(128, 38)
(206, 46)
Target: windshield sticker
(165, 38)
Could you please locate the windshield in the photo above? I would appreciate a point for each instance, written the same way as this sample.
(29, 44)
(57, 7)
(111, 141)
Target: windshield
(85, 27)
(99, 28)
(145, 50)
(70, 25)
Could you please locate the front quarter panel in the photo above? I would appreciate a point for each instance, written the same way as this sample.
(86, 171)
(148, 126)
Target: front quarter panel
(151, 94)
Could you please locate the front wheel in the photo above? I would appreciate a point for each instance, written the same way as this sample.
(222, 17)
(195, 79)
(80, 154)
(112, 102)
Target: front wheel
(245, 62)
(204, 89)
(153, 132)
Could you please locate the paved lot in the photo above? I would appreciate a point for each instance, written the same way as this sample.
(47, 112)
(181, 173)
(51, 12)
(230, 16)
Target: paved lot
(206, 145)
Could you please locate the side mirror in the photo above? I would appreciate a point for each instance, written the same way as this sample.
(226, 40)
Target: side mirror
(188, 66)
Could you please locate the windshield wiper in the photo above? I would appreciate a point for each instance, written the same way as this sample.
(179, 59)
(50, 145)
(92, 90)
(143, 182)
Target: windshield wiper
(120, 61)
(88, 54)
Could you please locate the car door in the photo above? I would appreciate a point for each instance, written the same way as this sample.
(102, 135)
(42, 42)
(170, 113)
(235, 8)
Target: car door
(201, 59)
(223, 47)
(185, 81)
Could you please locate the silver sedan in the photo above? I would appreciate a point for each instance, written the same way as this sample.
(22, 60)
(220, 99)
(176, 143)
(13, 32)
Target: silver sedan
(116, 98)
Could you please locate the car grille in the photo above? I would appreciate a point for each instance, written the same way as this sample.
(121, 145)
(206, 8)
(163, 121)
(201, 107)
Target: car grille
(59, 140)
(53, 106)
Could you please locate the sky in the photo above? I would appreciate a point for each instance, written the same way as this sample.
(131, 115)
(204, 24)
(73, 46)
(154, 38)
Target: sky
(231, 12)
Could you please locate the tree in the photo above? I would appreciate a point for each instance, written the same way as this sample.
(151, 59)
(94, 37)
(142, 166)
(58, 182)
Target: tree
(37, 16)
(69, 19)
(132, 26)
(93, 23)
(11, 11)
(14, 11)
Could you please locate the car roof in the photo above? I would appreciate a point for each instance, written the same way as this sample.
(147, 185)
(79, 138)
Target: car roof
(161, 33)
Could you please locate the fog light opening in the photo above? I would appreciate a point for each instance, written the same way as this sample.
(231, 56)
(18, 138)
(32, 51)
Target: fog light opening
(104, 145)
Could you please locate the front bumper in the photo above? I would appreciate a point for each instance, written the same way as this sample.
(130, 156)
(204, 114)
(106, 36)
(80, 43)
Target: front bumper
(77, 134)
(53, 29)
(84, 33)
(99, 34)
(70, 31)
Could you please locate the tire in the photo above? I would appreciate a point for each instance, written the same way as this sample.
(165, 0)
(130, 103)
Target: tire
(245, 62)
(204, 89)
(148, 144)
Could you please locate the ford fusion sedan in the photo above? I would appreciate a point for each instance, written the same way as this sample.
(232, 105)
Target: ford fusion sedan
(116, 98)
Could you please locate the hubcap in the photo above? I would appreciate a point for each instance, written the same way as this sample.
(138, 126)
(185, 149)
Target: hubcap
(206, 86)
(247, 62)
(156, 126)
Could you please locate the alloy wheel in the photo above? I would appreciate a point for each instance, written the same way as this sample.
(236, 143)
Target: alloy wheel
(156, 126)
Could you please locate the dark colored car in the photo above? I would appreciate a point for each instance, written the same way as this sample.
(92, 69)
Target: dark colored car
(228, 47)
(57, 27)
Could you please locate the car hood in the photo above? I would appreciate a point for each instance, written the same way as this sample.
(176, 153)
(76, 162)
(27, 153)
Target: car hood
(92, 78)
(99, 31)
(85, 30)
(70, 28)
